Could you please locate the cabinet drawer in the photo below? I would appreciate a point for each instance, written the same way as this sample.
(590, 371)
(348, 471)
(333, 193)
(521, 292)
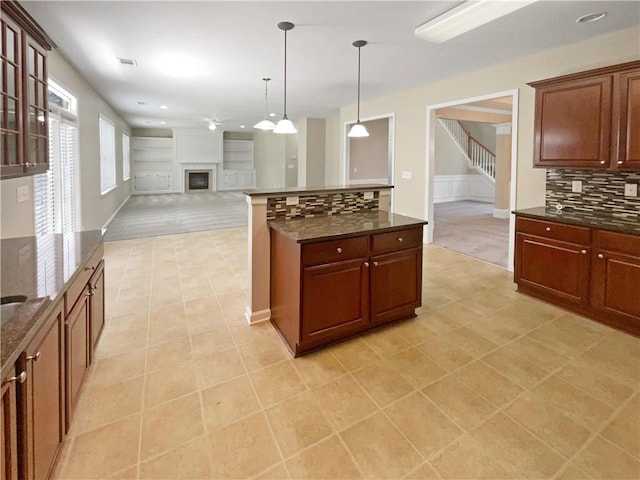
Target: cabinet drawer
(398, 240)
(335, 250)
(556, 231)
(617, 242)
(77, 287)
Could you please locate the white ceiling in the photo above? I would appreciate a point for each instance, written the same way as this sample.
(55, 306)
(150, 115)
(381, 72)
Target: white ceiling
(227, 48)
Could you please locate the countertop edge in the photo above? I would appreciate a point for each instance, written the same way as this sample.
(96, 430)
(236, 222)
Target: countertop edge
(39, 315)
(311, 190)
(527, 213)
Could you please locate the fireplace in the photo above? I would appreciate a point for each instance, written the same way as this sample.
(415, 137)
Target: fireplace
(198, 181)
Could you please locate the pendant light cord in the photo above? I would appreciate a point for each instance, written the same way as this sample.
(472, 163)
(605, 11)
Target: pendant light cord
(359, 49)
(266, 98)
(285, 74)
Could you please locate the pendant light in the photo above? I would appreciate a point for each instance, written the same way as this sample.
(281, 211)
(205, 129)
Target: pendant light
(265, 124)
(358, 129)
(285, 125)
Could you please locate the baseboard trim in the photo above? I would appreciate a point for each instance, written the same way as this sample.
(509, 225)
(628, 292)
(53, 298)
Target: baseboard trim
(106, 225)
(500, 213)
(257, 317)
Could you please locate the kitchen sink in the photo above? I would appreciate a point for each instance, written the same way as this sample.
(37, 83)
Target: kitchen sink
(9, 305)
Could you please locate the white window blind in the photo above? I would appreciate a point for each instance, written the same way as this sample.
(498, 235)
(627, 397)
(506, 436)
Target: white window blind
(107, 155)
(126, 163)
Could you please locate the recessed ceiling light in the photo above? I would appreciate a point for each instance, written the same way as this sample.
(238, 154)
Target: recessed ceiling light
(163, 123)
(128, 62)
(163, 107)
(272, 114)
(241, 126)
(591, 17)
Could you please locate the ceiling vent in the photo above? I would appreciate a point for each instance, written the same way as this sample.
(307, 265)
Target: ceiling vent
(128, 61)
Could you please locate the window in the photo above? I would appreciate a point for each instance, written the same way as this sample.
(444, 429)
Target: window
(107, 155)
(126, 163)
(56, 191)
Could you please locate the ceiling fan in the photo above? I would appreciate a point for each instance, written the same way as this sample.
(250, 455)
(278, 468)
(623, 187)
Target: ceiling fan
(213, 122)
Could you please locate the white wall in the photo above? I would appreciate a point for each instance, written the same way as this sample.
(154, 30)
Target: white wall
(333, 133)
(485, 133)
(410, 108)
(311, 152)
(269, 154)
(449, 159)
(96, 209)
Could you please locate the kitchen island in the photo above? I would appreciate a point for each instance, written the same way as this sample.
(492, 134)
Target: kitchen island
(336, 276)
(278, 203)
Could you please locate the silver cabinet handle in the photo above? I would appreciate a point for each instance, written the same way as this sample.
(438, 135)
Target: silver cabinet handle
(400, 239)
(620, 162)
(601, 162)
(89, 292)
(600, 255)
(583, 251)
(548, 229)
(34, 357)
(86, 269)
(375, 264)
(339, 250)
(366, 264)
(18, 378)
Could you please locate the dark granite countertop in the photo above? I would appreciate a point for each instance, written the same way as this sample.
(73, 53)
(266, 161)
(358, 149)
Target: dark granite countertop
(604, 221)
(39, 268)
(273, 192)
(311, 229)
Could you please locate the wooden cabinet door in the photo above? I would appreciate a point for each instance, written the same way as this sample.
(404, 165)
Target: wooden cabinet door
(11, 134)
(615, 281)
(97, 305)
(9, 431)
(557, 270)
(45, 427)
(335, 299)
(573, 123)
(77, 352)
(628, 157)
(36, 117)
(396, 284)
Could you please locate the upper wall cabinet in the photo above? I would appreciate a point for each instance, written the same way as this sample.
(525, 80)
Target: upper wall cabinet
(24, 116)
(589, 119)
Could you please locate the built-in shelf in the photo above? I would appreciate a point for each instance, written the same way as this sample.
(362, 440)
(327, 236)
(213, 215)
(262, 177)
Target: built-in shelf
(151, 149)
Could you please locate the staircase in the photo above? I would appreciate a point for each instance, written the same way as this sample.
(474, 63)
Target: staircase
(479, 156)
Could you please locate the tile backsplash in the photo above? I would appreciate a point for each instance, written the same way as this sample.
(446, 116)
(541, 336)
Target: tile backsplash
(321, 204)
(602, 192)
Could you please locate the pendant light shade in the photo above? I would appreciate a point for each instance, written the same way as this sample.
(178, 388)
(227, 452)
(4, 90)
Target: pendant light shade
(265, 124)
(358, 129)
(285, 125)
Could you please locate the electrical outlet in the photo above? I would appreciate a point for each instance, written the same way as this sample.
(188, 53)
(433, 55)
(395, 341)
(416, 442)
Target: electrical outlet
(368, 195)
(292, 201)
(355, 169)
(407, 175)
(630, 189)
(576, 186)
(23, 193)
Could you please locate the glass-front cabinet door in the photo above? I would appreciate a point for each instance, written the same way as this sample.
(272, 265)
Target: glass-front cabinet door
(11, 141)
(37, 121)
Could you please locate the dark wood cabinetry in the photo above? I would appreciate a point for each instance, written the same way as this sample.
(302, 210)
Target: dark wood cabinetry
(96, 289)
(616, 278)
(43, 400)
(591, 271)
(9, 430)
(329, 290)
(589, 119)
(77, 351)
(23, 96)
(553, 259)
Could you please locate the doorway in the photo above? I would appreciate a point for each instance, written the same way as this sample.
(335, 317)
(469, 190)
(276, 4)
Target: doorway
(470, 189)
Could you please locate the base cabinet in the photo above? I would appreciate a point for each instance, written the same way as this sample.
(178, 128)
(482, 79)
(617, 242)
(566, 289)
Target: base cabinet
(77, 351)
(593, 272)
(44, 428)
(9, 429)
(96, 290)
(326, 291)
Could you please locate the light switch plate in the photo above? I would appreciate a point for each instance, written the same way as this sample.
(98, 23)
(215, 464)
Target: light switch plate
(630, 189)
(407, 175)
(22, 193)
(293, 201)
(368, 195)
(576, 186)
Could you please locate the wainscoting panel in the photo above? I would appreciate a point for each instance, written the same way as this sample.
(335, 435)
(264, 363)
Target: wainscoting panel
(455, 188)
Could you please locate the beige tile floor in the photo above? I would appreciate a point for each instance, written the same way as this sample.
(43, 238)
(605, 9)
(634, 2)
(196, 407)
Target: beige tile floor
(484, 383)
